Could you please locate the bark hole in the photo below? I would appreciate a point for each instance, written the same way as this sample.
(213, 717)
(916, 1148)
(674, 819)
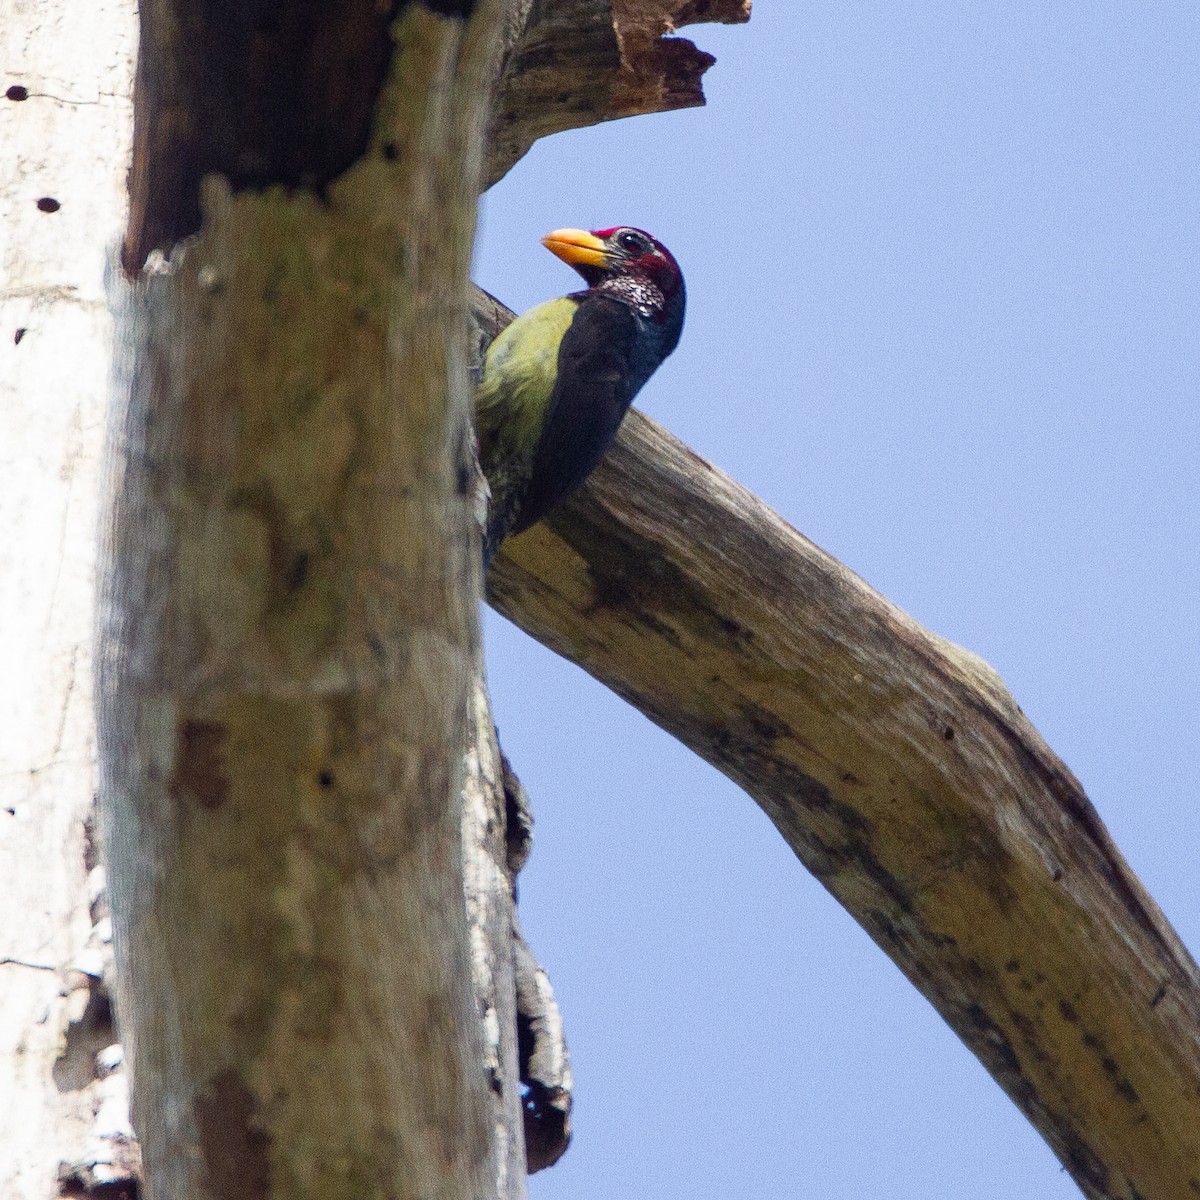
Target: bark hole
(75, 1067)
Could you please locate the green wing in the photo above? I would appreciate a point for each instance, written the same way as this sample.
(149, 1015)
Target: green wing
(512, 404)
(519, 374)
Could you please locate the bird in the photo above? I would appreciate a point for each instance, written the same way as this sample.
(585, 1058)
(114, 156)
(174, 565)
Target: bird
(558, 380)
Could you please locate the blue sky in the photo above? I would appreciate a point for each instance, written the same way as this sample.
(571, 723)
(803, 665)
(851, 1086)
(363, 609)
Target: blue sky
(942, 263)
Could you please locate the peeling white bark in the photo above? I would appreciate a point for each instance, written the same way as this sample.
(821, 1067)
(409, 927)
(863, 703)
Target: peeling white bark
(65, 125)
(490, 908)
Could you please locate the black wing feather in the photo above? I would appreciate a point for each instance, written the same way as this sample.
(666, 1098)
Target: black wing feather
(594, 388)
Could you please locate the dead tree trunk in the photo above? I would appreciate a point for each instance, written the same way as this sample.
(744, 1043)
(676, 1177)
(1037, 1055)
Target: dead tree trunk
(65, 129)
(895, 765)
(288, 626)
(289, 630)
(67, 123)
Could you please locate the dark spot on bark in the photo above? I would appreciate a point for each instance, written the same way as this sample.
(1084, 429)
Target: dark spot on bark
(948, 734)
(234, 1146)
(12, 812)
(462, 478)
(827, 857)
(91, 842)
(297, 572)
(518, 818)
(325, 779)
(451, 8)
(851, 778)
(48, 204)
(860, 849)
(1084, 1162)
(1156, 999)
(1029, 1032)
(1074, 802)
(734, 750)
(75, 1188)
(1012, 965)
(668, 633)
(1067, 1009)
(1056, 874)
(391, 151)
(634, 576)
(290, 559)
(1121, 1084)
(762, 723)
(733, 630)
(17, 92)
(882, 928)
(20, 333)
(815, 795)
(1125, 1089)
(199, 776)
(994, 1039)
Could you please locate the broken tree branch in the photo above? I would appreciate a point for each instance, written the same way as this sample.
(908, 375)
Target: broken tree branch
(289, 627)
(904, 776)
(580, 62)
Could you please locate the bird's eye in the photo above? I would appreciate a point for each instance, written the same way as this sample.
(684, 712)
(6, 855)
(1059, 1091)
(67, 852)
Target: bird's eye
(631, 241)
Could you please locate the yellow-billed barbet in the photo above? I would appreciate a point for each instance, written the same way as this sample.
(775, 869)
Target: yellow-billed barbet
(558, 380)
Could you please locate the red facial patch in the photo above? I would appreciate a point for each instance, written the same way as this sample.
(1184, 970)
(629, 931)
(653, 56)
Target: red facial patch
(657, 264)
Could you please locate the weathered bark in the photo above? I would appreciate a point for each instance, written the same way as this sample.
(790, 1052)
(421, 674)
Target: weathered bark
(251, 562)
(488, 882)
(64, 127)
(580, 62)
(897, 766)
(64, 1110)
(901, 772)
(290, 632)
